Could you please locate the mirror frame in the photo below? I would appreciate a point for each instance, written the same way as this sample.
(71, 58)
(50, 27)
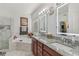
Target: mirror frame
(60, 33)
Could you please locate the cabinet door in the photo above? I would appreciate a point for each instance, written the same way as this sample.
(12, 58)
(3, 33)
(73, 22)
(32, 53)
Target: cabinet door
(39, 51)
(34, 46)
(40, 48)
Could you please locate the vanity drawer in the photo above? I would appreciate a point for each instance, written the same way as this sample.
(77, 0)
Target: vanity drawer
(50, 51)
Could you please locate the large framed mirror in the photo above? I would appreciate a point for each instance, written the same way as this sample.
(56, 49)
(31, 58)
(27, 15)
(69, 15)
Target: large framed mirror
(43, 22)
(36, 27)
(68, 19)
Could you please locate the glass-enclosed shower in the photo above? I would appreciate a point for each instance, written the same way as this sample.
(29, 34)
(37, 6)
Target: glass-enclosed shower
(5, 32)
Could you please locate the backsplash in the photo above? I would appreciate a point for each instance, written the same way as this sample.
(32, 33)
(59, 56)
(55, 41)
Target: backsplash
(68, 40)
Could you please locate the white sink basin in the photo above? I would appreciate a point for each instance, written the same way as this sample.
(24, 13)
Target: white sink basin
(62, 47)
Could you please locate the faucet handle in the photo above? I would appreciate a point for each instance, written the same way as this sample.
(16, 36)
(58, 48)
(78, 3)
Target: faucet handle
(67, 41)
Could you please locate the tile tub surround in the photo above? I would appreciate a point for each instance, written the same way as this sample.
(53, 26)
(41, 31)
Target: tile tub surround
(64, 52)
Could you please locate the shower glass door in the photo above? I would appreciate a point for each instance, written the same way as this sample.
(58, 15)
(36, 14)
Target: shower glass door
(5, 32)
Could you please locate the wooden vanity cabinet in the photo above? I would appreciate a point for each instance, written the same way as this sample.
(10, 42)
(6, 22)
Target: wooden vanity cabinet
(40, 49)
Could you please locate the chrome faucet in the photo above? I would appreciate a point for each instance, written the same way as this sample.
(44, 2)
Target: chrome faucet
(67, 41)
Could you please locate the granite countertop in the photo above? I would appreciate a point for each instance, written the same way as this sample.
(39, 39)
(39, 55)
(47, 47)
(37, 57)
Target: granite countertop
(63, 51)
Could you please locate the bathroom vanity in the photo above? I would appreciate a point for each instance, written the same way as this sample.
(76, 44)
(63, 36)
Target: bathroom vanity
(40, 49)
(54, 47)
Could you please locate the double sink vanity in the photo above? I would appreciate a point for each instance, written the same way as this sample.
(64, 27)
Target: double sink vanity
(52, 47)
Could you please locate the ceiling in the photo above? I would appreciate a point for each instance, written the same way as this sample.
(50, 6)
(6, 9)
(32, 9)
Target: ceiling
(19, 8)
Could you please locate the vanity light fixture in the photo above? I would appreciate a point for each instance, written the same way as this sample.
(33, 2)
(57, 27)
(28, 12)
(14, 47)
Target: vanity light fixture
(49, 10)
(45, 9)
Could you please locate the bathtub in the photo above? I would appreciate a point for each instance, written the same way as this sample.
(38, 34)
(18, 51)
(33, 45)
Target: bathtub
(20, 44)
